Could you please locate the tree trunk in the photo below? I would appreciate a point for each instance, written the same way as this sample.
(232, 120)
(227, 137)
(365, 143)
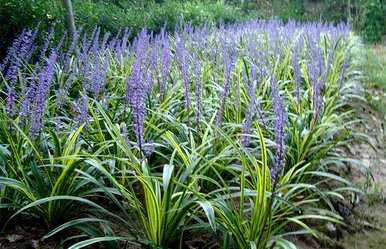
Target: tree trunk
(349, 17)
(69, 17)
(266, 7)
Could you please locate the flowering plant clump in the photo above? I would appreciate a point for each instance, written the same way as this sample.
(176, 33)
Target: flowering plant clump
(227, 131)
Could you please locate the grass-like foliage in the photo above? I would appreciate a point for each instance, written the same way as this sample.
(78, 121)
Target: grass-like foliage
(236, 134)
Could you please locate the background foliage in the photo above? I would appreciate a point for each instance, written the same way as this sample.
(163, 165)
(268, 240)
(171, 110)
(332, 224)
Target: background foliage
(368, 16)
(112, 15)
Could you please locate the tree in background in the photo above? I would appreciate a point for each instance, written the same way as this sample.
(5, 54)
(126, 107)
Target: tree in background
(374, 20)
(266, 7)
(69, 17)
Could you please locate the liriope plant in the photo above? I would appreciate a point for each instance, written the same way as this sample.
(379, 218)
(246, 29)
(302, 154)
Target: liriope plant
(163, 203)
(44, 182)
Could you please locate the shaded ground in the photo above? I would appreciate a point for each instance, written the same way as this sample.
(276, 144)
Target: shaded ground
(26, 234)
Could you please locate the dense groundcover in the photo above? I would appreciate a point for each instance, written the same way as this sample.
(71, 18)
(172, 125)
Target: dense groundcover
(235, 135)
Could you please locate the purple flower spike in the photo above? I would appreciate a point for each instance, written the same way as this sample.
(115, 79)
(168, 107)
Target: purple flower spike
(316, 69)
(95, 43)
(45, 78)
(81, 109)
(11, 77)
(31, 45)
(345, 67)
(279, 130)
(27, 103)
(183, 65)
(228, 61)
(95, 82)
(63, 92)
(124, 43)
(18, 53)
(139, 111)
(149, 148)
(47, 42)
(26, 45)
(249, 116)
(261, 115)
(71, 48)
(197, 74)
(237, 95)
(296, 67)
(12, 51)
(166, 62)
(104, 41)
(138, 86)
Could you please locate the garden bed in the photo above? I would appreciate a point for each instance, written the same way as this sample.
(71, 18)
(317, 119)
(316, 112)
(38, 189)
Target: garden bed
(237, 135)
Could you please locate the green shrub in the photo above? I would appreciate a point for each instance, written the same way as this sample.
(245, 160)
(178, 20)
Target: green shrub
(374, 20)
(16, 15)
(293, 9)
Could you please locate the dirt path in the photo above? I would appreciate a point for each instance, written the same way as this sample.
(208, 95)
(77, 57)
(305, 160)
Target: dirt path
(370, 215)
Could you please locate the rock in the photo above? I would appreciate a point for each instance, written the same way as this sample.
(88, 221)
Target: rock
(14, 237)
(35, 244)
(331, 228)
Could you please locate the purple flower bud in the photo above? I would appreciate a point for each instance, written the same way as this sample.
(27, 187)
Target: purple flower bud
(154, 59)
(96, 77)
(60, 43)
(26, 45)
(81, 109)
(149, 148)
(47, 42)
(71, 48)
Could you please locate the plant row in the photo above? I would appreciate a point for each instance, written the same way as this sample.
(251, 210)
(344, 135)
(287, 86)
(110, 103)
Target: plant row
(236, 134)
